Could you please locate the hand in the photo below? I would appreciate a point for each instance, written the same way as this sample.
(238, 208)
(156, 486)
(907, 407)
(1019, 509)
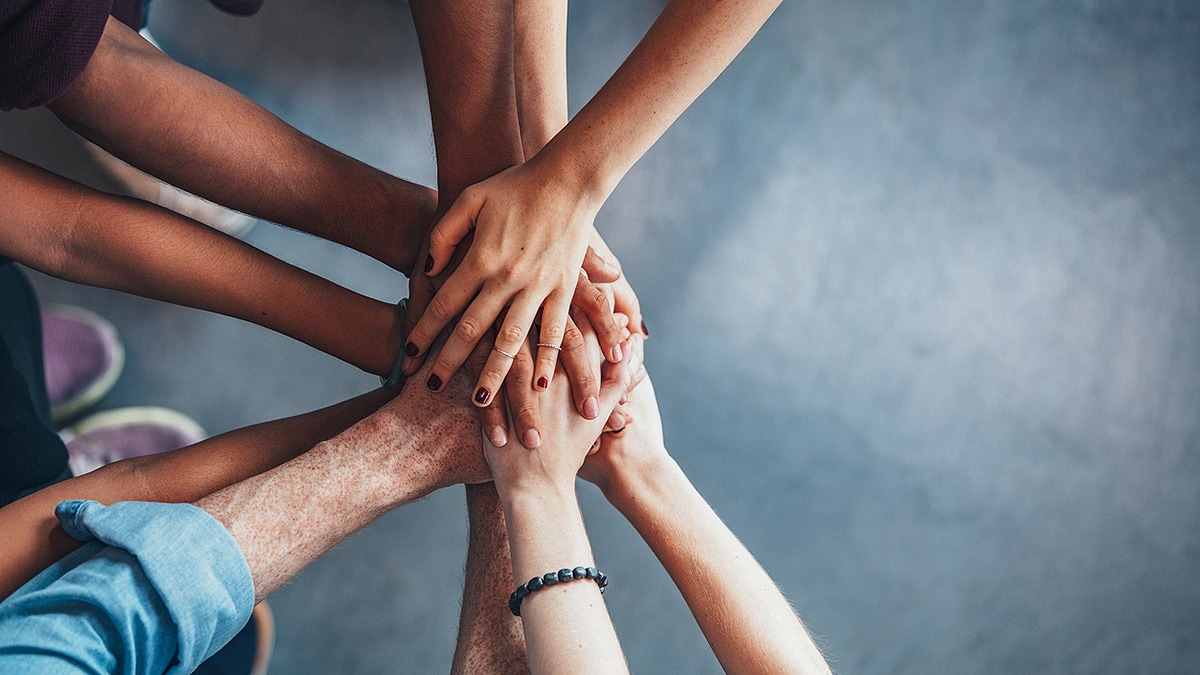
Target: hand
(530, 237)
(615, 457)
(519, 393)
(567, 436)
(620, 293)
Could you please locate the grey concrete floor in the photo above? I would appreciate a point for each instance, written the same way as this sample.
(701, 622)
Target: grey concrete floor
(923, 280)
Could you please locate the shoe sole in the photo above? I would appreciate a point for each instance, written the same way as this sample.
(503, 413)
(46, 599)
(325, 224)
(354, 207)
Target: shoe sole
(130, 416)
(107, 380)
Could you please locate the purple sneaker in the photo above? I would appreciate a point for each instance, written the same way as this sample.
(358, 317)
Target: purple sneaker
(83, 359)
(113, 435)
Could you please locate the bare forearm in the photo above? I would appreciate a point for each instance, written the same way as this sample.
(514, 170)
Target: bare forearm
(284, 518)
(34, 539)
(540, 58)
(689, 45)
(490, 639)
(567, 627)
(729, 593)
(200, 135)
(75, 233)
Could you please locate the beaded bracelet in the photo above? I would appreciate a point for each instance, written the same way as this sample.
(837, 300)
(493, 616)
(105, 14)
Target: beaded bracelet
(552, 578)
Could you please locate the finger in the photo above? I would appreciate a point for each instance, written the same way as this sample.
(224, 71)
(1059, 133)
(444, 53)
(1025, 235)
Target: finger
(420, 292)
(473, 325)
(523, 399)
(590, 299)
(454, 296)
(581, 371)
(451, 230)
(616, 420)
(554, 325)
(626, 302)
(598, 269)
(509, 339)
(493, 417)
(618, 378)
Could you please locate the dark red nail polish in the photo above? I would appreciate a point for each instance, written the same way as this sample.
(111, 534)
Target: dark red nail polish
(434, 383)
(543, 382)
(645, 331)
(428, 264)
(411, 349)
(481, 396)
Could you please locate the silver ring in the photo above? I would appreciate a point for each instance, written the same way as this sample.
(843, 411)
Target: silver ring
(547, 344)
(497, 349)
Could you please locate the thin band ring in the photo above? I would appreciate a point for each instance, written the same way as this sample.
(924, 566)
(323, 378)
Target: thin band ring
(547, 344)
(497, 349)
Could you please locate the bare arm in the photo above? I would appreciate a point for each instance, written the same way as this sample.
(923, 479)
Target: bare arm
(34, 538)
(285, 518)
(204, 137)
(531, 224)
(489, 636)
(67, 230)
(747, 621)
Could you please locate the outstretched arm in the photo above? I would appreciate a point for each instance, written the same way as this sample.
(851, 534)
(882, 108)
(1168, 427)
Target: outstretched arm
(76, 233)
(747, 621)
(531, 224)
(566, 625)
(198, 134)
(34, 539)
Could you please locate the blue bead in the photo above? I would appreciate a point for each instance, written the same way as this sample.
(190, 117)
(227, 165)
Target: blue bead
(579, 572)
(514, 605)
(550, 578)
(592, 572)
(565, 575)
(602, 580)
(521, 592)
(535, 584)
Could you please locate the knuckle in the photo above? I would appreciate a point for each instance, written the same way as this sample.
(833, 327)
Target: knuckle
(440, 309)
(467, 330)
(512, 335)
(553, 333)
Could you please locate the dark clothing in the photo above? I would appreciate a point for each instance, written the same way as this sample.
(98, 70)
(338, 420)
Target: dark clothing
(46, 44)
(31, 453)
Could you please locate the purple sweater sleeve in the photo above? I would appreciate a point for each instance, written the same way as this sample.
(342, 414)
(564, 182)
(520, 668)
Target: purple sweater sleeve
(44, 46)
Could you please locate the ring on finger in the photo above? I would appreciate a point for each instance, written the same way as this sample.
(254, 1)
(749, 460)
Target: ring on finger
(550, 346)
(497, 349)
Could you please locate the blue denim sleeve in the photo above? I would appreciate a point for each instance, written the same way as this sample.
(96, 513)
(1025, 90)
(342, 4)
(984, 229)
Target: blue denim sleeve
(158, 588)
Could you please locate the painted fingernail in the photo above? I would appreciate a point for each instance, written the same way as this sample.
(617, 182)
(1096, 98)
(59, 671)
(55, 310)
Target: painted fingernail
(499, 437)
(412, 349)
(428, 264)
(591, 408)
(434, 383)
(543, 382)
(481, 396)
(645, 331)
(532, 439)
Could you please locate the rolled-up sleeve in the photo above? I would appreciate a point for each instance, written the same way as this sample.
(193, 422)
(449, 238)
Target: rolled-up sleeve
(158, 588)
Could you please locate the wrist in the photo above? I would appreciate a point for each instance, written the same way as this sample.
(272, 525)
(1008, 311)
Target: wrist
(631, 479)
(584, 180)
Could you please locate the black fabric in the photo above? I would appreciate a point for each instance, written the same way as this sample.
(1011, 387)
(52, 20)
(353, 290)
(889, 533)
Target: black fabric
(31, 453)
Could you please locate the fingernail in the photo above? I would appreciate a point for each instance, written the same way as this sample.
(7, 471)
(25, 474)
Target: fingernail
(591, 408)
(532, 439)
(645, 331)
(481, 396)
(499, 438)
(434, 383)
(428, 264)
(543, 382)
(412, 349)
(611, 268)
(617, 354)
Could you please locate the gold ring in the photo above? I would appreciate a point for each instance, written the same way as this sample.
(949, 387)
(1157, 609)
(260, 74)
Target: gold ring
(547, 344)
(497, 349)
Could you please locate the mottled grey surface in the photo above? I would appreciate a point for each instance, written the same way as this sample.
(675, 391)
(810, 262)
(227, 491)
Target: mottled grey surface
(924, 286)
